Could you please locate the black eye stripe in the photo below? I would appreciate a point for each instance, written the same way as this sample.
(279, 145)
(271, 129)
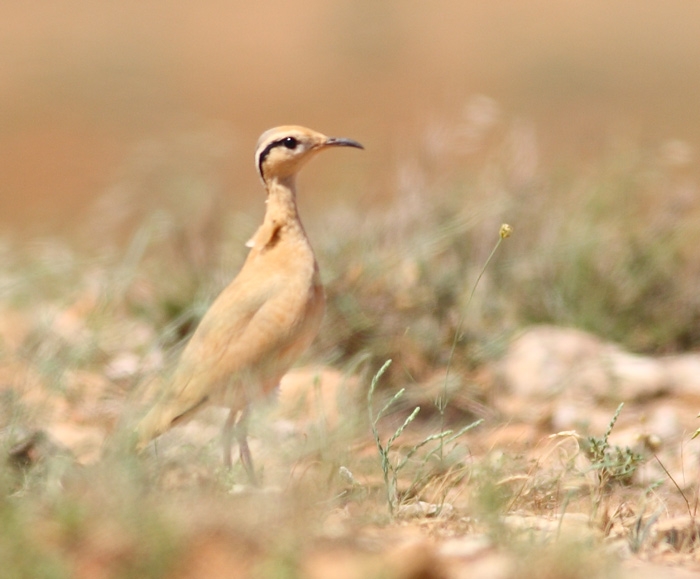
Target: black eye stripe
(289, 142)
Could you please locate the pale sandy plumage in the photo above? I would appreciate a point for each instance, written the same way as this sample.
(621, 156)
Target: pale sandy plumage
(266, 317)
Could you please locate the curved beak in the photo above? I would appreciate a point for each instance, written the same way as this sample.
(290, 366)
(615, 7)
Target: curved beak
(338, 142)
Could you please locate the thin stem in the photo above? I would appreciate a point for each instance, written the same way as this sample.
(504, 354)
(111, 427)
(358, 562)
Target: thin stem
(457, 336)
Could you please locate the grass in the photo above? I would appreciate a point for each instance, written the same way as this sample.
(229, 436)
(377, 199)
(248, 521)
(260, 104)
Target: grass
(81, 328)
(393, 470)
(612, 464)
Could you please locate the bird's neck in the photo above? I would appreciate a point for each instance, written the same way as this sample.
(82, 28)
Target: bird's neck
(281, 201)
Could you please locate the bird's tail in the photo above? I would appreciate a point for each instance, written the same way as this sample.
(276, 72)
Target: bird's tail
(155, 422)
(148, 428)
(165, 414)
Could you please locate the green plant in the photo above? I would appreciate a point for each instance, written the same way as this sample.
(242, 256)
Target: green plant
(612, 464)
(391, 469)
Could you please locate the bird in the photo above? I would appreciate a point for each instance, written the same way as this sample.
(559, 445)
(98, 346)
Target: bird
(264, 319)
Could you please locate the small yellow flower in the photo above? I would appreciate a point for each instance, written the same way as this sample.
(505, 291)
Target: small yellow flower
(505, 231)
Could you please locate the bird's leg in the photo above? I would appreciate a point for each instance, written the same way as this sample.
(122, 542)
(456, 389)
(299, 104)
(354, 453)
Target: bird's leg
(240, 428)
(227, 437)
(242, 438)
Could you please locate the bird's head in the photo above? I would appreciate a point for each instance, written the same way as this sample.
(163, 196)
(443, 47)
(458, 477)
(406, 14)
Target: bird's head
(282, 151)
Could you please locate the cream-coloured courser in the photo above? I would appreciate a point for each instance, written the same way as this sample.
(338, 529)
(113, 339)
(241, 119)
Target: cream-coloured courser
(265, 318)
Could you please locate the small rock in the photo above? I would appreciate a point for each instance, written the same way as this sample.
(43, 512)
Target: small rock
(576, 524)
(28, 448)
(683, 373)
(84, 442)
(679, 532)
(309, 395)
(664, 423)
(546, 360)
(123, 366)
(465, 547)
(424, 509)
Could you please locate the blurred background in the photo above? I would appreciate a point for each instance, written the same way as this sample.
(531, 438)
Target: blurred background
(137, 101)
(128, 189)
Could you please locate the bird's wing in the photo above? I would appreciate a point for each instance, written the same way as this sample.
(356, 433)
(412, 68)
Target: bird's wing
(202, 362)
(239, 334)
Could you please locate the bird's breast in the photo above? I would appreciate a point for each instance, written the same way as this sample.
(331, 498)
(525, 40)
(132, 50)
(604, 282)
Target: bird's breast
(288, 276)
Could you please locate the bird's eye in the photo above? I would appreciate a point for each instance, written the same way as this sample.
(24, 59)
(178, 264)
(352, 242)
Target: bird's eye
(290, 142)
